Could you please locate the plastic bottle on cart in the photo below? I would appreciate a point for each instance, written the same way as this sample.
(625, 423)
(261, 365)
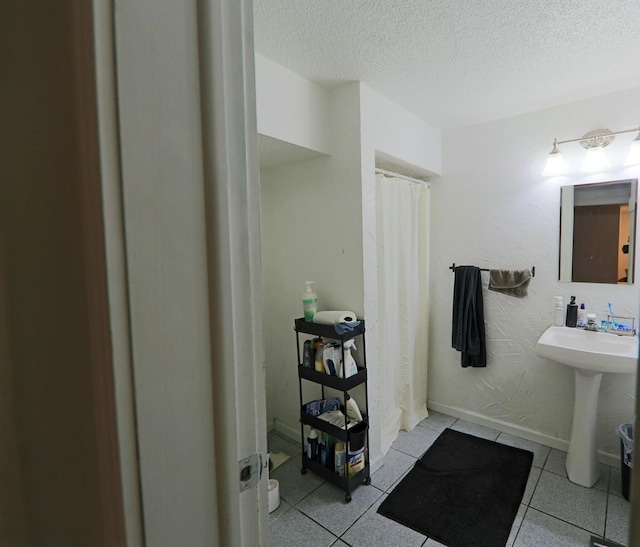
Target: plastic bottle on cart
(319, 360)
(309, 302)
(322, 449)
(312, 445)
(340, 459)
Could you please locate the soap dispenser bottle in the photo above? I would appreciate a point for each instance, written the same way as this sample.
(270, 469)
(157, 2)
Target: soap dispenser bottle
(572, 313)
(309, 302)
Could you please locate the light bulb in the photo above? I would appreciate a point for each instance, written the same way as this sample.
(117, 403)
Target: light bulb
(634, 152)
(555, 163)
(596, 160)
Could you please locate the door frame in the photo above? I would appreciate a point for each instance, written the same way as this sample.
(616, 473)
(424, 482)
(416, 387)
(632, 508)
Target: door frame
(219, 404)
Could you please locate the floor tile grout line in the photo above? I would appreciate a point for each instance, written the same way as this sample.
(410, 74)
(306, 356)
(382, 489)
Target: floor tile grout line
(515, 538)
(316, 522)
(325, 528)
(606, 515)
(527, 506)
(563, 520)
(363, 514)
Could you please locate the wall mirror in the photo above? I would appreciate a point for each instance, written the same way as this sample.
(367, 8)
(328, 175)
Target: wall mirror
(597, 232)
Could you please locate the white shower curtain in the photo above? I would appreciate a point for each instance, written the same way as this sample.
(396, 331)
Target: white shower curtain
(402, 213)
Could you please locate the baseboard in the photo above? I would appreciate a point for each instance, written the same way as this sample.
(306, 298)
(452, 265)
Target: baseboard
(547, 440)
(289, 432)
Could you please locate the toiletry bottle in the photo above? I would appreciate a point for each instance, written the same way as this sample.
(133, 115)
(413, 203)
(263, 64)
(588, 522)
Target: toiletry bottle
(331, 453)
(322, 449)
(572, 313)
(312, 445)
(340, 457)
(306, 354)
(309, 302)
(582, 316)
(312, 351)
(319, 361)
(559, 311)
(353, 412)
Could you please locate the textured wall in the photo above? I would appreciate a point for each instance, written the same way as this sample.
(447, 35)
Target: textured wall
(492, 208)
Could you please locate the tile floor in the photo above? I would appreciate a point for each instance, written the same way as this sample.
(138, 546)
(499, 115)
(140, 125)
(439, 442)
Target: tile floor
(553, 511)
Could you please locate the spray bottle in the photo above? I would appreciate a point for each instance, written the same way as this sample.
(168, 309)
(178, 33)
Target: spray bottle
(350, 368)
(309, 302)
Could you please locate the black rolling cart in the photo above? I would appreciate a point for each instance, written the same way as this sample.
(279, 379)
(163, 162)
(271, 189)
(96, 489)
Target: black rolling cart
(344, 385)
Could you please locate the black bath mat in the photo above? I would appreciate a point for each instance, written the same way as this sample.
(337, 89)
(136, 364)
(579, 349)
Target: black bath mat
(464, 492)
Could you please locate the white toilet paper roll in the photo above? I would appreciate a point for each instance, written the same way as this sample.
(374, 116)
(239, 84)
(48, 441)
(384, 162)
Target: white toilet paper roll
(274, 495)
(334, 317)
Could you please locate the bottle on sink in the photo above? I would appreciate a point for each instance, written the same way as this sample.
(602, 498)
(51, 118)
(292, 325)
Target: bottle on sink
(572, 313)
(582, 316)
(559, 311)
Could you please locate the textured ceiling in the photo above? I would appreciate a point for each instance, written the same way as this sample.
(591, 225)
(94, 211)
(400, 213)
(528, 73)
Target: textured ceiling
(458, 62)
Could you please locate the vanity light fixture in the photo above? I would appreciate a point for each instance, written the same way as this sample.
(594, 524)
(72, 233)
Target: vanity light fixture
(595, 143)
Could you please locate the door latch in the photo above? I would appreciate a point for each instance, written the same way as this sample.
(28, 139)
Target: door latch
(250, 471)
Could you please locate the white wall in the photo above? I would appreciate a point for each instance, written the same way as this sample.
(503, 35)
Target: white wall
(363, 126)
(413, 144)
(492, 208)
(291, 108)
(311, 230)
(394, 139)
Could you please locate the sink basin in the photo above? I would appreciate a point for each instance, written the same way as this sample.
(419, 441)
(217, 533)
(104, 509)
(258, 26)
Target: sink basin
(590, 354)
(589, 350)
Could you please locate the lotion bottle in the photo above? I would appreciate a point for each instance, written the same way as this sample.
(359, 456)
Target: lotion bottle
(582, 316)
(309, 302)
(559, 311)
(353, 412)
(572, 313)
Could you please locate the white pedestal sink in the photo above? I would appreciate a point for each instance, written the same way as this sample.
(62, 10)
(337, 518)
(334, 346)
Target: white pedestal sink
(590, 354)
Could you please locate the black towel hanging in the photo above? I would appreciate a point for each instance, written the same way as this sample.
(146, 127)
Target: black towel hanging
(467, 328)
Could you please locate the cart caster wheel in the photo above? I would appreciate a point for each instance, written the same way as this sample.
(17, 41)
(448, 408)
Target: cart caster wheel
(367, 481)
(347, 498)
(303, 470)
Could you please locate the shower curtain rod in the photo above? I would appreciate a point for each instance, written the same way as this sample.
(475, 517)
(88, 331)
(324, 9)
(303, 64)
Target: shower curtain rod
(398, 175)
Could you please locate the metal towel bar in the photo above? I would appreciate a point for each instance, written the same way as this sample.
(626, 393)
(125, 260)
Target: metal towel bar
(453, 269)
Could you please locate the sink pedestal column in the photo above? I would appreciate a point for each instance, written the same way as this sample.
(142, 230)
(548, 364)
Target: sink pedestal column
(582, 457)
